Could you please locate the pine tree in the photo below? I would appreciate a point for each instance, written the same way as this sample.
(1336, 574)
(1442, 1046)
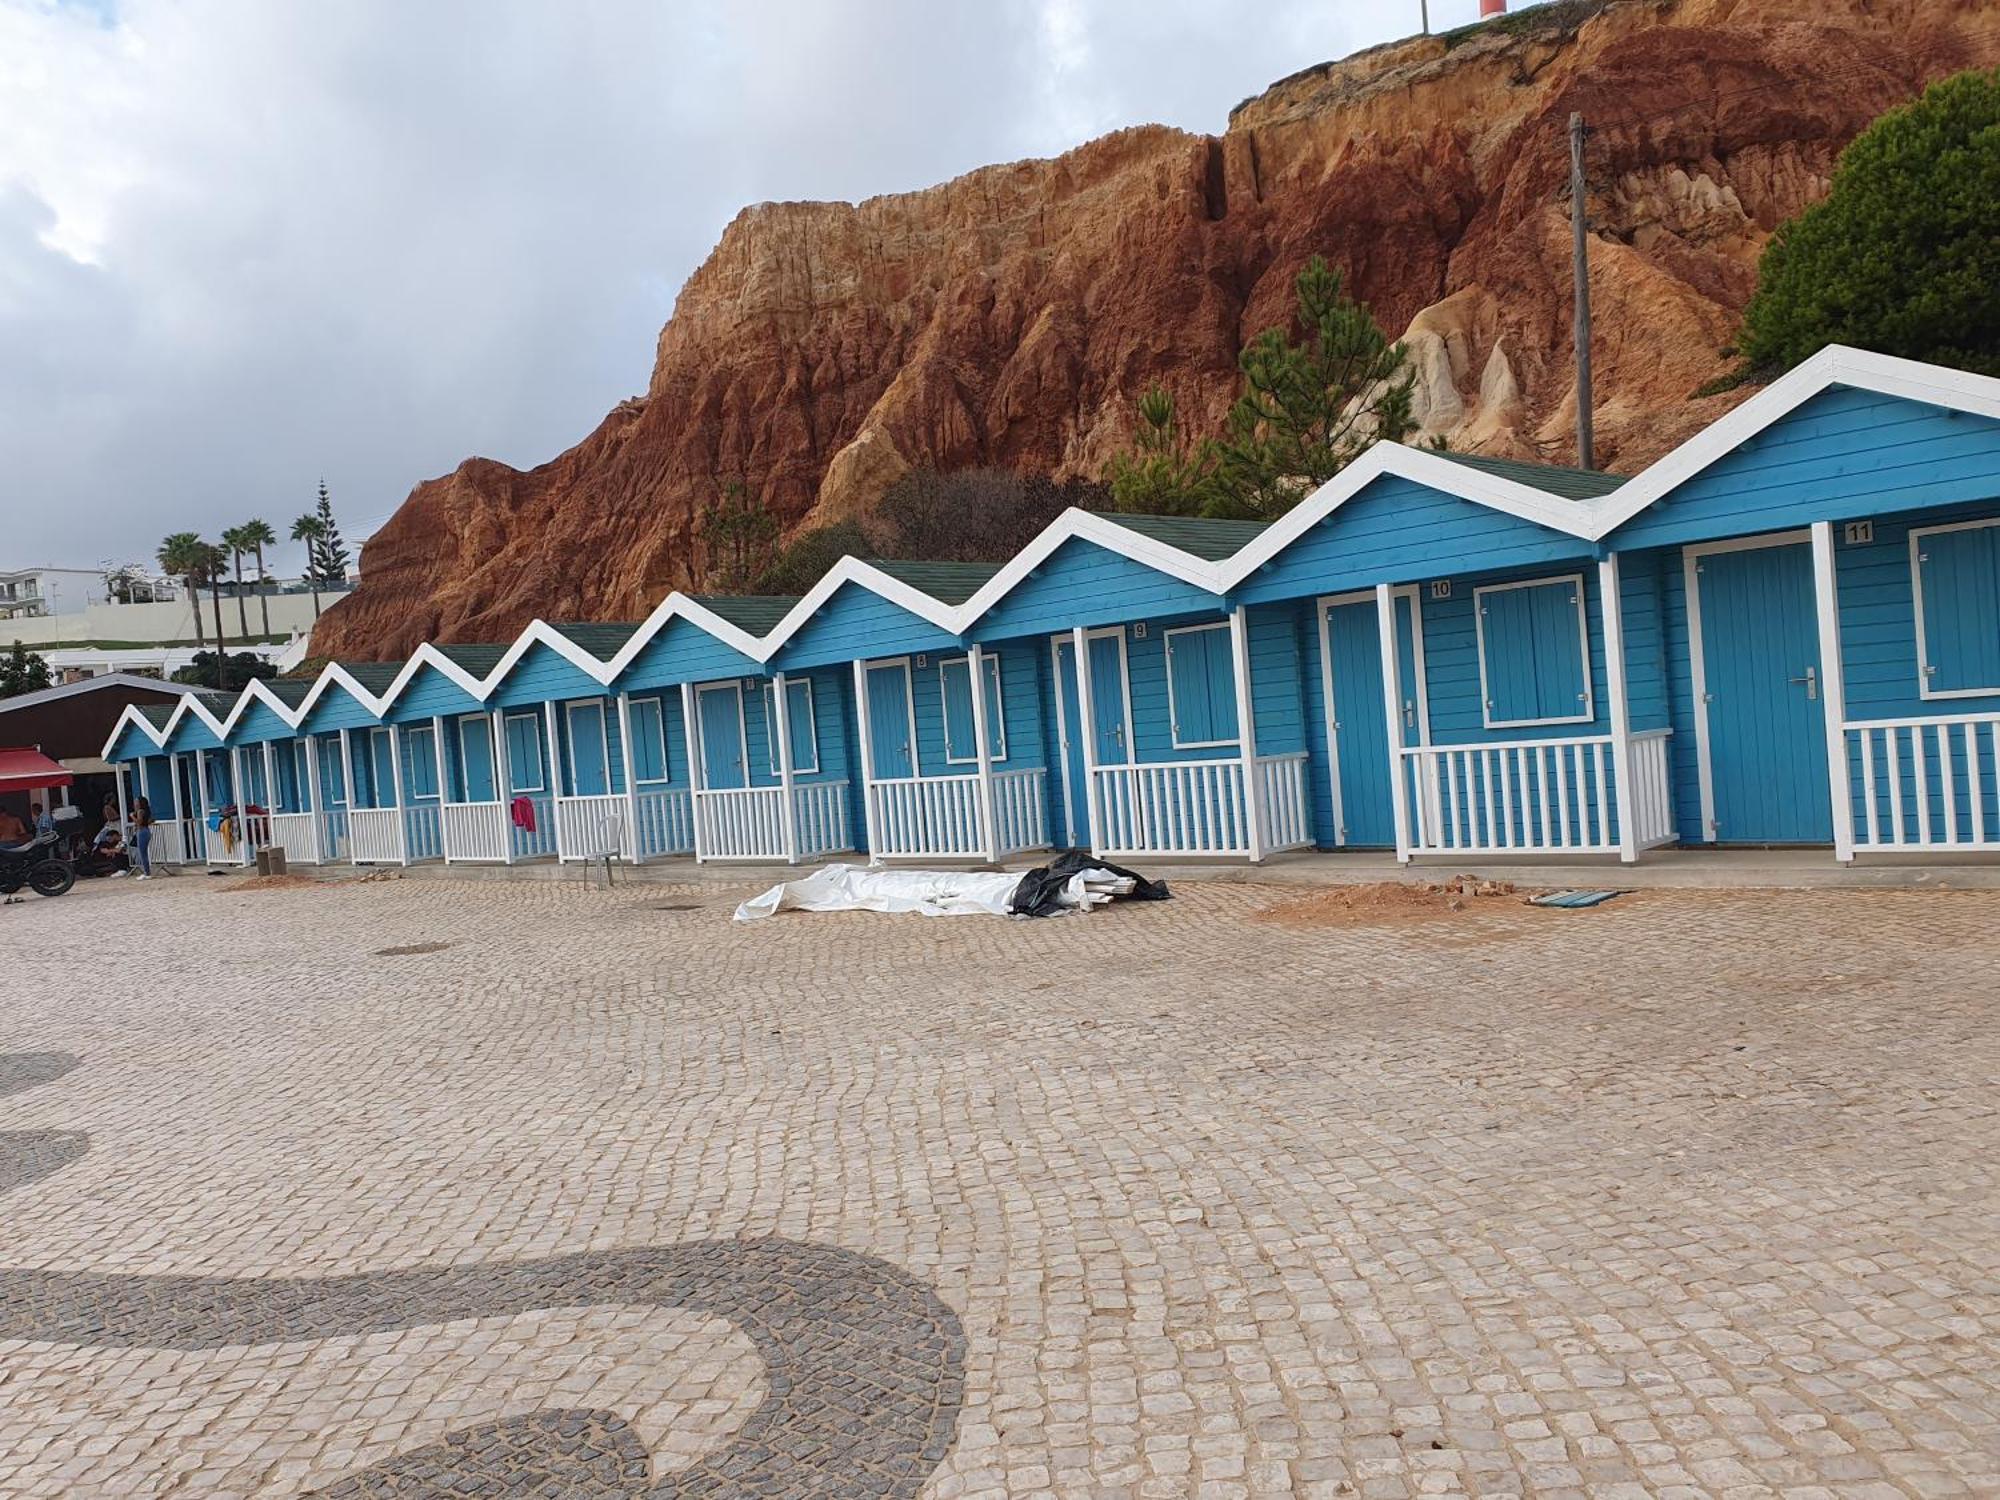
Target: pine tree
(23, 671)
(331, 556)
(737, 535)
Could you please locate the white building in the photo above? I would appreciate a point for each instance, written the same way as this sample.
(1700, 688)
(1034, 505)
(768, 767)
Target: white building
(33, 592)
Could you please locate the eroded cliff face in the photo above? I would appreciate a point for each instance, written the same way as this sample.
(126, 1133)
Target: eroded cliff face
(1011, 316)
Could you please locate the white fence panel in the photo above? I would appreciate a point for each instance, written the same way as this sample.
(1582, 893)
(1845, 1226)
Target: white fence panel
(1020, 807)
(169, 846)
(1550, 796)
(1924, 785)
(1287, 814)
(590, 827)
(819, 809)
(665, 822)
(538, 842)
(293, 833)
(1179, 807)
(333, 841)
(1652, 781)
(371, 836)
(934, 817)
(474, 831)
(740, 823)
(424, 831)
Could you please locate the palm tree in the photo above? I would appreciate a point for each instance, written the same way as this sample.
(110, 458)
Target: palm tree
(214, 560)
(233, 539)
(311, 530)
(183, 555)
(257, 535)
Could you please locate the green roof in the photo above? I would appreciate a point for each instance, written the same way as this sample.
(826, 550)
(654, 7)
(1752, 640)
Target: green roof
(290, 691)
(755, 613)
(476, 659)
(600, 640)
(372, 675)
(946, 582)
(157, 714)
(219, 704)
(1553, 479)
(1198, 536)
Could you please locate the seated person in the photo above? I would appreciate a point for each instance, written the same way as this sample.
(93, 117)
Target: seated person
(110, 839)
(12, 829)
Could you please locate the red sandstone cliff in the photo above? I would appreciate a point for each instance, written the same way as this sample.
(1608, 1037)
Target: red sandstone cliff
(1010, 316)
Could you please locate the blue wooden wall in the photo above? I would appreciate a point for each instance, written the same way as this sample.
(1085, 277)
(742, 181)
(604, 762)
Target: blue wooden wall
(682, 652)
(542, 674)
(430, 692)
(1081, 583)
(856, 625)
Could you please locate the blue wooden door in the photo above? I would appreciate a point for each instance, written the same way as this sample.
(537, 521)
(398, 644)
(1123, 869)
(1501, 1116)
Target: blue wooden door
(1360, 716)
(589, 763)
(381, 769)
(1761, 675)
(1107, 699)
(721, 713)
(889, 722)
(332, 778)
(475, 756)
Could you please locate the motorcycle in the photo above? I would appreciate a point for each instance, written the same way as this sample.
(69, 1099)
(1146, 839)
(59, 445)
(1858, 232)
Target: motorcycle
(36, 864)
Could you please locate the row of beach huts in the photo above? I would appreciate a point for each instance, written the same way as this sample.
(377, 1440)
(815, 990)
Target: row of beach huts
(1785, 631)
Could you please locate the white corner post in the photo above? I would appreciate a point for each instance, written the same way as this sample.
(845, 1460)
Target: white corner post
(781, 736)
(443, 786)
(1611, 614)
(1833, 689)
(555, 774)
(238, 790)
(865, 730)
(309, 794)
(975, 661)
(1086, 736)
(1392, 705)
(402, 804)
(118, 778)
(692, 733)
(503, 784)
(630, 837)
(270, 794)
(1246, 732)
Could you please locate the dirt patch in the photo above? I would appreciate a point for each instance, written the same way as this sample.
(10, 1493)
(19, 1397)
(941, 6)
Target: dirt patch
(410, 950)
(1392, 901)
(275, 883)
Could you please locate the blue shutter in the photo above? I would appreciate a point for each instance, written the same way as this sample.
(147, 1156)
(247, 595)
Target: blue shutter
(1531, 645)
(1204, 687)
(1961, 603)
(423, 763)
(524, 754)
(649, 740)
(996, 722)
(799, 715)
(475, 741)
(960, 744)
(589, 770)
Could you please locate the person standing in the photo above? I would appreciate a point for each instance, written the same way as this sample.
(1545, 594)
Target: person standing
(142, 836)
(44, 820)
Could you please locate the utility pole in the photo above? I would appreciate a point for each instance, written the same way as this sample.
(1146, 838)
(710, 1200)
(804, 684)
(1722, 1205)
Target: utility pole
(1425, 7)
(1586, 446)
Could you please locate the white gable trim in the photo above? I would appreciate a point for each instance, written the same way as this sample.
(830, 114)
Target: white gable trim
(678, 606)
(132, 717)
(852, 570)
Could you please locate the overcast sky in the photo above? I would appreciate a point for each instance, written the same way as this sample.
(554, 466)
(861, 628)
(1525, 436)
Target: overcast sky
(248, 243)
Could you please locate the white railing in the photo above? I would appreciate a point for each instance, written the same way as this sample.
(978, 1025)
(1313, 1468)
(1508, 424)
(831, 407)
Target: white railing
(169, 846)
(665, 822)
(1020, 807)
(372, 837)
(819, 809)
(1652, 781)
(589, 827)
(540, 842)
(474, 831)
(1554, 796)
(423, 831)
(740, 823)
(293, 833)
(1177, 807)
(1281, 785)
(229, 851)
(1925, 784)
(933, 817)
(333, 835)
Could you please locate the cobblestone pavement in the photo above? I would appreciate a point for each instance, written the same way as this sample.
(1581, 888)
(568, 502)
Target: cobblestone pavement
(1691, 1194)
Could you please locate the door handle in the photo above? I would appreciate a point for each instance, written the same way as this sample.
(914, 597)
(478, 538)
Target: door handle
(1811, 680)
(1409, 714)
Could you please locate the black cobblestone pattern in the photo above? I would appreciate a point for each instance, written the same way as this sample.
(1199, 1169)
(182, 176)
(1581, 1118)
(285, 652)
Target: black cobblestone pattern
(29, 1155)
(863, 1364)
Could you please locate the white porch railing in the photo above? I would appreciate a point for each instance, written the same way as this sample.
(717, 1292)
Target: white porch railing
(1021, 808)
(333, 842)
(371, 836)
(665, 822)
(819, 810)
(169, 846)
(1281, 784)
(586, 827)
(474, 831)
(1176, 807)
(935, 817)
(1554, 796)
(740, 823)
(423, 831)
(293, 833)
(1925, 784)
(540, 842)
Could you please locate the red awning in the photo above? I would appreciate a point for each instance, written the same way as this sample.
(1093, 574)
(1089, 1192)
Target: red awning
(22, 770)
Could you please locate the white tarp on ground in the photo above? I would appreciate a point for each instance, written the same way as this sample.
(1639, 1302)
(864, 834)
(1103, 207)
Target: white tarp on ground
(930, 893)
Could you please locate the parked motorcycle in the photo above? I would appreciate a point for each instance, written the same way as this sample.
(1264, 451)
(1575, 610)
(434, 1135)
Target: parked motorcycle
(36, 864)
